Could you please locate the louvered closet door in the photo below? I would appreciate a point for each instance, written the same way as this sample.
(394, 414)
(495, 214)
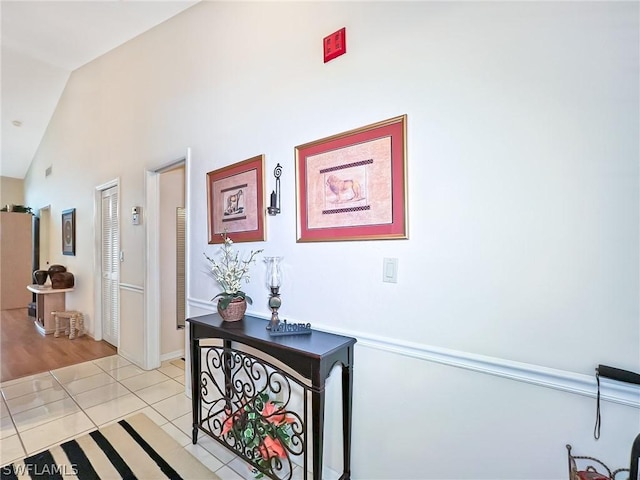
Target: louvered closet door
(110, 266)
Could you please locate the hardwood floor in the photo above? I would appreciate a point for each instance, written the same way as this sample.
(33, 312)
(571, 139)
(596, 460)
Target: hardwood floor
(25, 351)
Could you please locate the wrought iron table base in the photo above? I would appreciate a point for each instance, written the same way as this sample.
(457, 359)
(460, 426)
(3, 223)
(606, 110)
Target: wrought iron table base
(246, 377)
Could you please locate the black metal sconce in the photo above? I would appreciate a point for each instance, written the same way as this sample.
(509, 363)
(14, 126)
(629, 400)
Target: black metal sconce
(274, 207)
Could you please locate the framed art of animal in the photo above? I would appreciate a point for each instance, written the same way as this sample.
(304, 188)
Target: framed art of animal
(353, 185)
(235, 197)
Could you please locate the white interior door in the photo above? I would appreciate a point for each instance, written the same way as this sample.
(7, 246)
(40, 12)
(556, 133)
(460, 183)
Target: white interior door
(110, 266)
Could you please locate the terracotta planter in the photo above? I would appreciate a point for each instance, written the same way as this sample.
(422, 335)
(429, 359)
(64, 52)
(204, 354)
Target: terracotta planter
(234, 311)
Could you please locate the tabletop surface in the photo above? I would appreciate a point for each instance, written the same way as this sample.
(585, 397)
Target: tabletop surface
(253, 330)
(45, 289)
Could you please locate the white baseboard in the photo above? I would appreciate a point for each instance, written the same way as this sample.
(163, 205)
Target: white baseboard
(172, 355)
(566, 381)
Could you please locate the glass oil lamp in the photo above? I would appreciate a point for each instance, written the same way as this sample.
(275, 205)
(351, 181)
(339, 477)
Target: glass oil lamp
(274, 280)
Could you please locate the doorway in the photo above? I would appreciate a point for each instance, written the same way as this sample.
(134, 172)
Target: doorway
(44, 251)
(153, 326)
(172, 261)
(107, 289)
(110, 270)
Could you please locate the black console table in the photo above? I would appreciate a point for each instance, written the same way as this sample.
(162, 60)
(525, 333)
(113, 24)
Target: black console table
(232, 387)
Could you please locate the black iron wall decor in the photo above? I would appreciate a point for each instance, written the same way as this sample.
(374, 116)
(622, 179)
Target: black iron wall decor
(274, 204)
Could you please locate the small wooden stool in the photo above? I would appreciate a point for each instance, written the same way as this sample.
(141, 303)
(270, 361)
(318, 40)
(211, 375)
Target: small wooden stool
(76, 323)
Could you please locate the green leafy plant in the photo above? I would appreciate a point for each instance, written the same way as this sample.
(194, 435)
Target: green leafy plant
(263, 427)
(230, 271)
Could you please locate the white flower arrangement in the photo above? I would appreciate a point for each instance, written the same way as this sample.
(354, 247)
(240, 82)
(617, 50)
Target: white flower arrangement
(230, 272)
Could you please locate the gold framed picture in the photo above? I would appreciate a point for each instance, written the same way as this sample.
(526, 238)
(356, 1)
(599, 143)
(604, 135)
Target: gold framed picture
(235, 201)
(352, 186)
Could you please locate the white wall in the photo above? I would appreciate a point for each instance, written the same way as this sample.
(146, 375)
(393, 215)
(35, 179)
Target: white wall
(523, 256)
(11, 191)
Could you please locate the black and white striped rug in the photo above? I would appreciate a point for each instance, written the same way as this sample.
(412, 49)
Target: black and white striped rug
(134, 448)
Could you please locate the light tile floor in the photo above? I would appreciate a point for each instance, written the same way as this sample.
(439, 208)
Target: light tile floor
(43, 410)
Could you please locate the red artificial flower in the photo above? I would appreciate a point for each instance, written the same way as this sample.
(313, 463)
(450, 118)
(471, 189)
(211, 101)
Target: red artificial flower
(227, 425)
(269, 412)
(271, 448)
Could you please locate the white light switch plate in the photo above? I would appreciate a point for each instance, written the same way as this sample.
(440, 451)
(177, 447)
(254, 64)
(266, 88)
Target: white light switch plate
(390, 270)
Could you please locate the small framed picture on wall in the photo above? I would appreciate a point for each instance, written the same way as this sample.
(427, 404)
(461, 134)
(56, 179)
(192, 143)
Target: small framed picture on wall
(235, 201)
(69, 232)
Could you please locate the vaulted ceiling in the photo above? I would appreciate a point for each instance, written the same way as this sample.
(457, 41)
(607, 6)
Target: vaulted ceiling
(42, 43)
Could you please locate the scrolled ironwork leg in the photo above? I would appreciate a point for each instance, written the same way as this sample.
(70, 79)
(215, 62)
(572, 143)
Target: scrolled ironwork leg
(226, 367)
(317, 415)
(347, 395)
(195, 386)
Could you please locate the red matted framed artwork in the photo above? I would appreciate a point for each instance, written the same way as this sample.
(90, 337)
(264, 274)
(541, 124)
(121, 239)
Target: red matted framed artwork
(353, 186)
(235, 201)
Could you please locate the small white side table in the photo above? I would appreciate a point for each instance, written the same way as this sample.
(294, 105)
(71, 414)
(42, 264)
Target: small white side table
(48, 300)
